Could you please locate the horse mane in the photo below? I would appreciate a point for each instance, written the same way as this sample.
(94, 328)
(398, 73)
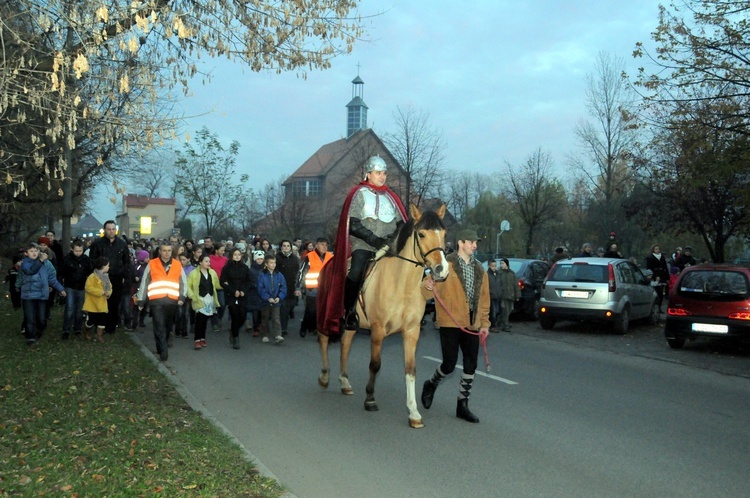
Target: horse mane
(429, 221)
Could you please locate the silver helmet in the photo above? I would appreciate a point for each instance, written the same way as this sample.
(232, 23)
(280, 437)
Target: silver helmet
(375, 163)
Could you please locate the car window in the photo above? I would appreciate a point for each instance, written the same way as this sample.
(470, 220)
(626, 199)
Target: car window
(513, 265)
(718, 283)
(581, 272)
(539, 271)
(625, 273)
(638, 277)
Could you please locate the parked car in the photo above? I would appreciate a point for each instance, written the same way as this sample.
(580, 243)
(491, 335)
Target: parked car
(711, 301)
(530, 274)
(598, 289)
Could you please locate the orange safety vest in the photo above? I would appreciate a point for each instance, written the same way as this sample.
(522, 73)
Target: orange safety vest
(164, 284)
(311, 278)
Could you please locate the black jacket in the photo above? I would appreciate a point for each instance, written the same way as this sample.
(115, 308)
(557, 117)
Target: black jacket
(235, 276)
(289, 267)
(658, 267)
(120, 264)
(74, 271)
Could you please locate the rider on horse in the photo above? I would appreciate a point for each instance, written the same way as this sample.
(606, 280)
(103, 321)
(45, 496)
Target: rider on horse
(372, 214)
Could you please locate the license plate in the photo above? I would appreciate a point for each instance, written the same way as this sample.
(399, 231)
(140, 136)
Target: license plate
(709, 327)
(576, 294)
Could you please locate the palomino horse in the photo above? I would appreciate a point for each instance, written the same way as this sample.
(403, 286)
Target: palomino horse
(391, 302)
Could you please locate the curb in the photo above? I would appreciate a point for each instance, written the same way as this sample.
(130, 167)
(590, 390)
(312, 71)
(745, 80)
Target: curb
(196, 405)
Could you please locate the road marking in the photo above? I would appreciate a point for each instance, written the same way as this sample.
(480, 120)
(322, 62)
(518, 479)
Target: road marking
(489, 376)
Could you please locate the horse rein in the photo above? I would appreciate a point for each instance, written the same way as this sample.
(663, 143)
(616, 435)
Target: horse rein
(482, 338)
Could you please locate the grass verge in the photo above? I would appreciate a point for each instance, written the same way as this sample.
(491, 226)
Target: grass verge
(79, 418)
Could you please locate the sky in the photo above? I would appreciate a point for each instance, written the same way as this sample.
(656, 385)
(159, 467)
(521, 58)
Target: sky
(498, 78)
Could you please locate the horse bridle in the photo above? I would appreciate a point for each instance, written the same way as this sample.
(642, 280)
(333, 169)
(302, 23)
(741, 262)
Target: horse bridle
(422, 254)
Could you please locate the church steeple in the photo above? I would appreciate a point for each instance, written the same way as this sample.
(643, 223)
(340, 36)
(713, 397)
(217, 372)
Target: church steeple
(356, 110)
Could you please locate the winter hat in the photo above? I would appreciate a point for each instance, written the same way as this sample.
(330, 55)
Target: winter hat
(507, 263)
(259, 255)
(241, 246)
(141, 255)
(43, 240)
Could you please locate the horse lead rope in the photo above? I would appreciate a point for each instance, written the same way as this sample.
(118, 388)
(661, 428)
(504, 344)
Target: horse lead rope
(482, 339)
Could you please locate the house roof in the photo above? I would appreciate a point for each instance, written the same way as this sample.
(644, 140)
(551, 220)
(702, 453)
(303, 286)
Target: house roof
(141, 201)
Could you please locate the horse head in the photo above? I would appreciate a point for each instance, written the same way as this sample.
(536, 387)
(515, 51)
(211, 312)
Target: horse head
(427, 231)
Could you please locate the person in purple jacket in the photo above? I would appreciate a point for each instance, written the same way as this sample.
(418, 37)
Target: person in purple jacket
(38, 275)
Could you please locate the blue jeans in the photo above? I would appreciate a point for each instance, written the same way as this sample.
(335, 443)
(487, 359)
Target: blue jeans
(35, 316)
(73, 310)
(494, 311)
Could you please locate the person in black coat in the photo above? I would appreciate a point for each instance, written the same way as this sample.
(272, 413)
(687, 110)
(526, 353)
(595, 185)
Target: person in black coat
(236, 281)
(287, 263)
(115, 249)
(685, 259)
(75, 268)
(657, 263)
(254, 302)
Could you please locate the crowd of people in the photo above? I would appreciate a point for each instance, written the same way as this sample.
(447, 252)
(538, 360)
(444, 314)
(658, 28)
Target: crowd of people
(185, 285)
(182, 285)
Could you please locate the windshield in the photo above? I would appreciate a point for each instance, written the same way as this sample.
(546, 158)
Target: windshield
(717, 283)
(579, 272)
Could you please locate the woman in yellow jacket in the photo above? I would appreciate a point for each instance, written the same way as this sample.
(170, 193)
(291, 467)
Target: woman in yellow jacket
(98, 288)
(202, 290)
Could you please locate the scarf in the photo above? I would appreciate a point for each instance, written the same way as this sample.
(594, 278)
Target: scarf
(104, 277)
(657, 256)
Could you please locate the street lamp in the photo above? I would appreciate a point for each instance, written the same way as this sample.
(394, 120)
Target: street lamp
(504, 227)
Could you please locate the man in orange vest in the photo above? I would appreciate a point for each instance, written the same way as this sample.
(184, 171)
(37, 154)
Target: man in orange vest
(307, 278)
(164, 286)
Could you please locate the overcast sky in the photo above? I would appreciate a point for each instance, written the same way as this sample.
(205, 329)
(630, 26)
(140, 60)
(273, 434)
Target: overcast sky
(498, 78)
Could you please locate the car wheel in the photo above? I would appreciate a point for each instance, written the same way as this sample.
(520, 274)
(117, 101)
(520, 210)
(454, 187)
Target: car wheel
(621, 325)
(533, 312)
(676, 343)
(546, 321)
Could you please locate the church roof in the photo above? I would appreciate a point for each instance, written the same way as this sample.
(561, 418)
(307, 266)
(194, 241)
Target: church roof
(327, 156)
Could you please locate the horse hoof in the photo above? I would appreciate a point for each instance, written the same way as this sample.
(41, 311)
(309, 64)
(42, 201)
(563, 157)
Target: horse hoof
(347, 390)
(371, 406)
(416, 424)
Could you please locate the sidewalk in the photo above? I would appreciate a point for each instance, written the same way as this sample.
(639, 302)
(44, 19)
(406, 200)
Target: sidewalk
(145, 340)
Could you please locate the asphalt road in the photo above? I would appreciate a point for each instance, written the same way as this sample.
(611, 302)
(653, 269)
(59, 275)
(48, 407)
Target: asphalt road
(575, 411)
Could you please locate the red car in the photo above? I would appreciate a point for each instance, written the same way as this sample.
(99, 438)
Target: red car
(709, 301)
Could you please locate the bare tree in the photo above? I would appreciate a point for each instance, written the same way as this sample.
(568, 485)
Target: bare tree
(212, 185)
(538, 196)
(419, 150)
(152, 174)
(463, 192)
(607, 139)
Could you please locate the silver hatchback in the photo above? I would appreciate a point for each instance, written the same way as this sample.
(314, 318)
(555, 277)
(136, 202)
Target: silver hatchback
(600, 289)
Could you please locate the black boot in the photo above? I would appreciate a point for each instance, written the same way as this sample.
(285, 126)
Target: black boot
(462, 411)
(351, 293)
(235, 343)
(428, 391)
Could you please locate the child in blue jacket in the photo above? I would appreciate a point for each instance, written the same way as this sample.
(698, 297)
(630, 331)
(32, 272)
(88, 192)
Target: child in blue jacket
(37, 276)
(272, 290)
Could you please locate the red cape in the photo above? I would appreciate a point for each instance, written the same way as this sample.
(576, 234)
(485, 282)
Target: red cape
(330, 302)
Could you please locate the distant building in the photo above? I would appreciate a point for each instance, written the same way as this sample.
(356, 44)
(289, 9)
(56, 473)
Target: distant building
(147, 217)
(315, 192)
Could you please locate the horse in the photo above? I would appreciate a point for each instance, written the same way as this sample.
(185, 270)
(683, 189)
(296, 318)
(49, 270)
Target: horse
(391, 302)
